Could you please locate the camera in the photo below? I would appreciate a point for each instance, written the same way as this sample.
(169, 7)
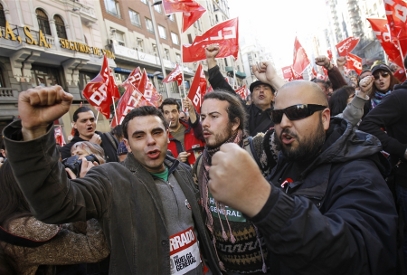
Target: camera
(74, 163)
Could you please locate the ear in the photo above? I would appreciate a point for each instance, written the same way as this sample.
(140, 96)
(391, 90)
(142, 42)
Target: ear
(236, 124)
(126, 143)
(326, 117)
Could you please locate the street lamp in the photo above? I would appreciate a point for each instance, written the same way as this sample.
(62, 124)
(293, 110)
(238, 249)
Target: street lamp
(157, 41)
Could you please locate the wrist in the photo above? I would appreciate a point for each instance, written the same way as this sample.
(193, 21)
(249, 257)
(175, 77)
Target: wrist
(329, 66)
(30, 134)
(211, 63)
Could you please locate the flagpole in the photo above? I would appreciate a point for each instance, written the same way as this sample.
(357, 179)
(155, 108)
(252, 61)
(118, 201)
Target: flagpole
(114, 108)
(182, 62)
(234, 74)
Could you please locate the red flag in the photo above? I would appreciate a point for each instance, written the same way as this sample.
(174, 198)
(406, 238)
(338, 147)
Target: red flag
(99, 91)
(175, 75)
(354, 62)
(381, 28)
(226, 34)
(242, 92)
(346, 46)
(396, 13)
(148, 90)
(131, 99)
(300, 60)
(287, 73)
(134, 77)
(295, 74)
(198, 88)
(191, 11)
(59, 136)
(329, 53)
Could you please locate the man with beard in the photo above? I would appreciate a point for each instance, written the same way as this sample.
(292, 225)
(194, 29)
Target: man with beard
(85, 130)
(326, 208)
(240, 248)
(147, 204)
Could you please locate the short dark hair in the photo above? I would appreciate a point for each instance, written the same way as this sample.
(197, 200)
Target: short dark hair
(235, 109)
(140, 112)
(170, 101)
(82, 109)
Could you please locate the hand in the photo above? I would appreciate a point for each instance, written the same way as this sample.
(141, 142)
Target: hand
(39, 107)
(188, 104)
(265, 72)
(85, 167)
(323, 61)
(211, 51)
(236, 180)
(183, 156)
(96, 139)
(366, 85)
(341, 61)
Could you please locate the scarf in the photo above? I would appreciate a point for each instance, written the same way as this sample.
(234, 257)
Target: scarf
(207, 154)
(378, 96)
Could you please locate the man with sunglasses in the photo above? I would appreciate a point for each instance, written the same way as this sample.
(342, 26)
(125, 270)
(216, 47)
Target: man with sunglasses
(326, 208)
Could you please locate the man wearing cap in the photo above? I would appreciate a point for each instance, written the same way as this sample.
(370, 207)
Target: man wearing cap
(262, 90)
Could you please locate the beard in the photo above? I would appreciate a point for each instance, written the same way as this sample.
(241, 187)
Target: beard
(221, 137)
(308, 147)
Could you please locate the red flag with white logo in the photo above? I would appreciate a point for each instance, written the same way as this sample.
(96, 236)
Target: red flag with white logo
(396, 13)
(59, 136)
(99, 91)
(354, 62)
(287, 73)
(175, 75)
(329, 53)
(381, 28)
(346, 46)
(148, 90)
(134, 77)
(131, 99)
(300, 60)
(198, 88)
(226, 34)
(191, 11)
(242, 92)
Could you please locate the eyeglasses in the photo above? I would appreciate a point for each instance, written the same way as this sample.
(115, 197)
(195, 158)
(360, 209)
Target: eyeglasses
(296, 112)
(383, 74)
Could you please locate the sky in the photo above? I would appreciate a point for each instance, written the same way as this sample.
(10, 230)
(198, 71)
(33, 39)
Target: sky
(276, 23)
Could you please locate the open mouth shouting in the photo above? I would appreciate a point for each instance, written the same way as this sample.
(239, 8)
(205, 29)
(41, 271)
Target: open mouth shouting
(153, 154)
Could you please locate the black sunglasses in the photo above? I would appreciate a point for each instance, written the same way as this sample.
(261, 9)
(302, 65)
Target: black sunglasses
(383, 74)
(296, 112)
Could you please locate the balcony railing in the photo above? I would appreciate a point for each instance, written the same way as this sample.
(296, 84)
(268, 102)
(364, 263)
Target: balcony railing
(8, 94)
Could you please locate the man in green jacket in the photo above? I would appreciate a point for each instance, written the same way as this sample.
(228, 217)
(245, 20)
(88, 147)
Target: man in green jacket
(147, 204)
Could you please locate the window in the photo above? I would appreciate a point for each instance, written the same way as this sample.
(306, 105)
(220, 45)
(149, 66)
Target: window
(118, 36)
(158, 8)
(43, 23)
(144, 1)
(178, 57)
(167, 54)
(2, 17)
(190, 38)
(135, 18)
(2, 83)
(112, 7)
(149, 25)
(162, 32)
(60, 26)
(174, 38)
(140, 44)
(171, 17)
(45, 76)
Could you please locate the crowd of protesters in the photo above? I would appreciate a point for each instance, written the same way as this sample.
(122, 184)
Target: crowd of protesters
(309, 178)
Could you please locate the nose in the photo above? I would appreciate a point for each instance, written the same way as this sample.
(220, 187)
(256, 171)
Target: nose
(285, 121)
(150, 140)
(205, 123)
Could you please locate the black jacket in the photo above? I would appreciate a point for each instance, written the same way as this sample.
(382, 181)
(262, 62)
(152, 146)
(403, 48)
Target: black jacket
(122, 196)
(258, 120)
(109, 145)
(338, 217)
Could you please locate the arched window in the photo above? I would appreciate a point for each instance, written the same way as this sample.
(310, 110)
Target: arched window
(2, 17)
(43, 22)
(60, 25)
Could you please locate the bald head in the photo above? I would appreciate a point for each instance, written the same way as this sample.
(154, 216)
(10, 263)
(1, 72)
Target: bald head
(300, 92)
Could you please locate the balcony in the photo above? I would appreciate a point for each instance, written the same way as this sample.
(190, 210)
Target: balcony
(8, 95)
